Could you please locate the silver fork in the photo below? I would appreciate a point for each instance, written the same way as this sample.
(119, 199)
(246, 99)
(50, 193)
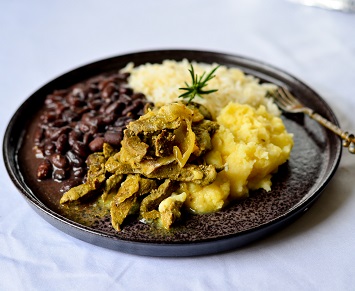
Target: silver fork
(288, 103)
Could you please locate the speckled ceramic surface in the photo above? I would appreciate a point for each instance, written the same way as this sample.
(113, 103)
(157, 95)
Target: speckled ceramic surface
(296, 186)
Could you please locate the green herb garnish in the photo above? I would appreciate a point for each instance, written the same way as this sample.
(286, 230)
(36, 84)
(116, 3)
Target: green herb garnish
(198, 83)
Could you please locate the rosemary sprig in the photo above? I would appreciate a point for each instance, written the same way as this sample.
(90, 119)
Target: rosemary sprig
(197, 85)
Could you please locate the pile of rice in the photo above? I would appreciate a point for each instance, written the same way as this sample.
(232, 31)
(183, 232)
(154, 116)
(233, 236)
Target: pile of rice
(161, 82)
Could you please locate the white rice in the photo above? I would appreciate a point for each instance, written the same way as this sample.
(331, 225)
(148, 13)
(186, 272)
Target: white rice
(161, 82)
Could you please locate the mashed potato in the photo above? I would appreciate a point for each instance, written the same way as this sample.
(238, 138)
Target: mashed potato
(251, 144)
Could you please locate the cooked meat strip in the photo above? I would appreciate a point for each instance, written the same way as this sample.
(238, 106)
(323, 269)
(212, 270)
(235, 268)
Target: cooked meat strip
(119, 212)
(199, 174)
(149, 205)
(153, 124)
(126, 197)
(170, 209)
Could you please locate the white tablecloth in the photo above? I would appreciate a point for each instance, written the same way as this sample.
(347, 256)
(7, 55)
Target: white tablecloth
(40, 40)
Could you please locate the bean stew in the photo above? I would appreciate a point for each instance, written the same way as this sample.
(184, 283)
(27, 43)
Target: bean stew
(75, 122)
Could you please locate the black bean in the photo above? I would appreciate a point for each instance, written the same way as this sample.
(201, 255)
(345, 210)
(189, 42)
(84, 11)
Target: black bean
(44, 169)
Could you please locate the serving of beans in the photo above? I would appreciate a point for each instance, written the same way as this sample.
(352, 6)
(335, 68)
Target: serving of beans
(77, 121)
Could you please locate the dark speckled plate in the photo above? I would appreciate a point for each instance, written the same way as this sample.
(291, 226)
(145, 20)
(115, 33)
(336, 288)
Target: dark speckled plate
(297, 185)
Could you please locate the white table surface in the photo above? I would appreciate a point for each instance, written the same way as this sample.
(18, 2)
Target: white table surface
(40, 40)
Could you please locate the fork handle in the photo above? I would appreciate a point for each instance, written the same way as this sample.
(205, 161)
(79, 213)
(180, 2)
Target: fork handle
(348, 139)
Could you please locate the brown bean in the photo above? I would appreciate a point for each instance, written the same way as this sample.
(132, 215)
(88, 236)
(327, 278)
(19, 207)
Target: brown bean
(74, 136)
(49, 148)
(95, 104)
(87, 138)
(80, 149)
(96, 145)
(79, 120)
(44, 170)
(121, 121)
(53, 98)
(123, 76)
(60, 108)
(69, 115)
(138, 96)
(89, 118)
(78, 172)
(84, 127)
(125, 90)
(74, 159)
(59, 161)
(62, 143)
(113, 138)
(59, 123)
(108, 90)
(125, 99)
(114, 107)
(60, 174)
(109, 118)
(48, 116)
(130, 109)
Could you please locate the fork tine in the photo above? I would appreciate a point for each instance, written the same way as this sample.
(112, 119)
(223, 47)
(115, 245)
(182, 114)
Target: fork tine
(288, 97)
(280, 99)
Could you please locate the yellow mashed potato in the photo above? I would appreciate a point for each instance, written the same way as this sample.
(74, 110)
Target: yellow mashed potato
(250, 145)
